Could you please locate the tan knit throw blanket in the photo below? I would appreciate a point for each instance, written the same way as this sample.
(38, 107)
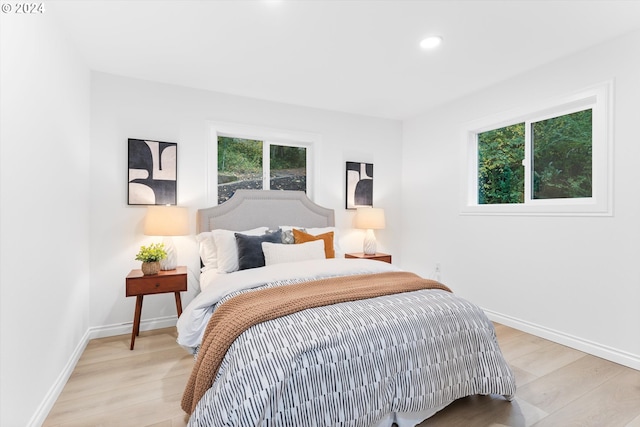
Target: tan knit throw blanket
(245, 310)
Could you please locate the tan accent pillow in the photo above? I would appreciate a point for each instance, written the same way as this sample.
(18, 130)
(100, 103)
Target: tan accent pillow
(302, 237)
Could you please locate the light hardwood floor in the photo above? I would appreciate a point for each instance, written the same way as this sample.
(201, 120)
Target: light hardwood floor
(557, 386)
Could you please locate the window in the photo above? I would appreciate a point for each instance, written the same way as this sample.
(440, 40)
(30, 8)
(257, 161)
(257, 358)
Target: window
(257, 158)
(562, 156)
(500, 168)
(253, 164)
(553, 160)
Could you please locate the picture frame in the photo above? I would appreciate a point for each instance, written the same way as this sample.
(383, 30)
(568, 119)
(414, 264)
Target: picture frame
(152, 172)
(359, 185)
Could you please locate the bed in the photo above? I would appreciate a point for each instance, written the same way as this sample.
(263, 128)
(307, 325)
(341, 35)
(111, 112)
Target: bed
(284, 335)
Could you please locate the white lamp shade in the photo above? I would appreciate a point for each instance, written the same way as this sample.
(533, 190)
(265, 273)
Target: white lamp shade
(166, 221)
(370, 218)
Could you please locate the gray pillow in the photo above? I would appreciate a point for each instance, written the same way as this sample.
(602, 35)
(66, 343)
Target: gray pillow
(250, 253)
(287, 237)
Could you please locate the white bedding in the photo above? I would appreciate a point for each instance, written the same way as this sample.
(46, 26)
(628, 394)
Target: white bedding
(193, 321)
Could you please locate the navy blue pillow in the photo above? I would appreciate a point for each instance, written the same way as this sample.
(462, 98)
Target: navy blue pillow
(250, 253)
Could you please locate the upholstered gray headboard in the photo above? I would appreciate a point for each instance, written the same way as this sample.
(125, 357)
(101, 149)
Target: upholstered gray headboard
(249, 209)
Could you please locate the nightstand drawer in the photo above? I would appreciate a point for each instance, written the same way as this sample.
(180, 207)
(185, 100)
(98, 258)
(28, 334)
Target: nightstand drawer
(378, 256)
(165, 281)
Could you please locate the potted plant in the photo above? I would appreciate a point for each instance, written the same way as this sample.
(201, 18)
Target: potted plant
(150, 257)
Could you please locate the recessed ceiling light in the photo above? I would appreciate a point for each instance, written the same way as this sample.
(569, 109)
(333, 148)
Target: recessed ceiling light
(431, 42)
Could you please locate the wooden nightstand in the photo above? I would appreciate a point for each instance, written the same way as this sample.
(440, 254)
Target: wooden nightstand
(139, 285)
(377, 256)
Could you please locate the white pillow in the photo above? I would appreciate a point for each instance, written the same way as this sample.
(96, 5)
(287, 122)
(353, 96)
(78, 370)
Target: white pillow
(320, 230)
(227, 249)
(277, 253)
(207, 250)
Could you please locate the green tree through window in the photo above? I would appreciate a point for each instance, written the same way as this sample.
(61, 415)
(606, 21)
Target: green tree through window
(561, 160)
(239, 157)
(500, 170)
(562, 150)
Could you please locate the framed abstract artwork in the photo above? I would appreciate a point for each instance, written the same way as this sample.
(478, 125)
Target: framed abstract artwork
(359, 185)
(152, 172)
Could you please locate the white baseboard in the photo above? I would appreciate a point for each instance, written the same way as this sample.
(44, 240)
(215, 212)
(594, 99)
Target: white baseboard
(125, 328)
(615, 355)
(52, 395)
(94, 332)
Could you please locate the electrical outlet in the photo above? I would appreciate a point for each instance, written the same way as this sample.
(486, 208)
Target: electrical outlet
(438, 272)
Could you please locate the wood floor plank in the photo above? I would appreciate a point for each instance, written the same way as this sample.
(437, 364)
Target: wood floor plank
(110, 349)
(521, 345)
(614, 403)
(121, 399)
(522, 377)
(506, 333)
(109, 376)
(558, 388)
(546, 359)
(151, 413)
(634, 423)
(483, 411)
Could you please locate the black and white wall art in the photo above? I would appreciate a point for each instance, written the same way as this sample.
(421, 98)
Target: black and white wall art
(152, 172)
(359, 185)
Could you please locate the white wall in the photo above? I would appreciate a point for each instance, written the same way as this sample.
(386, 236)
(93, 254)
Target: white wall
(123, 108)
(573, 279)
(44, 213)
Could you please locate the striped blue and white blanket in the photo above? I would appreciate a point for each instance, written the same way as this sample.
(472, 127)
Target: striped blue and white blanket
(355, 363)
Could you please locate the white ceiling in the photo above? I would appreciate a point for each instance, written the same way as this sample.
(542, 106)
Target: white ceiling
(352, 56)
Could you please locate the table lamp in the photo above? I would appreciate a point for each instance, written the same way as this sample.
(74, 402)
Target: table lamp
(370, 219)
(167, 221)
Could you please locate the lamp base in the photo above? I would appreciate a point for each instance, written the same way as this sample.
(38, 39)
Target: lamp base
(369, 246)
(171, 261)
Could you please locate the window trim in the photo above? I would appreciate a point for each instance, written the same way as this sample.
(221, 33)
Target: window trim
(599, 99)
(308, 140)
